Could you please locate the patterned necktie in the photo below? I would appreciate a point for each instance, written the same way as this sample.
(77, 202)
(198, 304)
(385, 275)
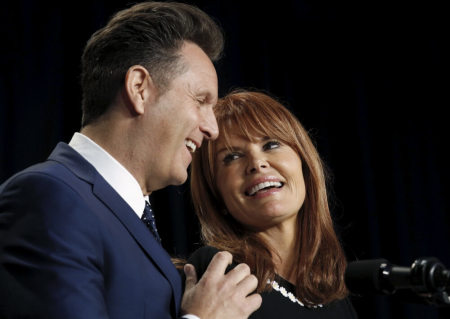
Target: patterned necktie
(149, 219)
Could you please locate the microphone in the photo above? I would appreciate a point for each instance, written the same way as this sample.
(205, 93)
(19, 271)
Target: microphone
(426, 279)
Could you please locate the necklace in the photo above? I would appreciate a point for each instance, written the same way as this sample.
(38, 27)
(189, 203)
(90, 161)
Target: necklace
(276, 286)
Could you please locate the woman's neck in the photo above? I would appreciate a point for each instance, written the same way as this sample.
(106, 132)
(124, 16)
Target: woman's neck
(283, 243)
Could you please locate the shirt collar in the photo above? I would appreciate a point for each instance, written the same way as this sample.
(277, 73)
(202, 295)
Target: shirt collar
(112, 171)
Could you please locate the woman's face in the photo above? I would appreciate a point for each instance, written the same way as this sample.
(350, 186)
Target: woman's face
(260, 181)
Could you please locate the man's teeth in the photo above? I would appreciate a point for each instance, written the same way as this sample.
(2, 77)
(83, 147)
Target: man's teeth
(263, 185)
(190, 145)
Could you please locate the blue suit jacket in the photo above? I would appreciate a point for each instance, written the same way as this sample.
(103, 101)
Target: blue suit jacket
(71, 247)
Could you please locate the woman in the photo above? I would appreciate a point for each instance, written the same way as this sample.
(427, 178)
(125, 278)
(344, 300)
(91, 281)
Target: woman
(259, 191)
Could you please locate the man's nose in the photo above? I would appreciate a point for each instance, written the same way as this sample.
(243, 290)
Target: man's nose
(209, 126)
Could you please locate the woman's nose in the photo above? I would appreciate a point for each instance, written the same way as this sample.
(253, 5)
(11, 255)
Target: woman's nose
(256, 165)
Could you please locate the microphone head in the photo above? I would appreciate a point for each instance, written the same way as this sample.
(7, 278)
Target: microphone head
(364, 276)
(425, 282)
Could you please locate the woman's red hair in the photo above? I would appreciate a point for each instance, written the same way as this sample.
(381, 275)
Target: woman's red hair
(320, 259)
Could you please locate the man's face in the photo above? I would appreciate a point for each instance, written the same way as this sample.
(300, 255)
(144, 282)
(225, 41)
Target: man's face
(181, 118)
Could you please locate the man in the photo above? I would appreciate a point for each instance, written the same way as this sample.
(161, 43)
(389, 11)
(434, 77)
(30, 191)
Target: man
(72, 244)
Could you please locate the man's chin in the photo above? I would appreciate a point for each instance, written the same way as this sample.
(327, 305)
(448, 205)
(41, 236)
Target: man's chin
(179, 179)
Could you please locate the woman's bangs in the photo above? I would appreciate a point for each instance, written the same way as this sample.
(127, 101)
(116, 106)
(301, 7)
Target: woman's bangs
(250, 124)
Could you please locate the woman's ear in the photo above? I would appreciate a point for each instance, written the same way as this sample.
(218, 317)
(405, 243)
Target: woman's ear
(139, 88)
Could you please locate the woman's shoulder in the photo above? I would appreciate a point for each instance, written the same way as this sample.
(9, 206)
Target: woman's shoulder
(201, 258)
(204, 252)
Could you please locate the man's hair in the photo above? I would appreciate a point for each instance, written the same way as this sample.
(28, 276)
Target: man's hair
(150, 34)
(320, 260)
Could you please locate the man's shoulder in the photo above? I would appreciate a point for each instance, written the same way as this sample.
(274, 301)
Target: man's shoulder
(45, 182)
(48, 170)
(52, 170)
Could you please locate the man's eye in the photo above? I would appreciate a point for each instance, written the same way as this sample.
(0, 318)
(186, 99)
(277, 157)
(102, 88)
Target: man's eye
(230, 157)
(271, 145)
(201, 100)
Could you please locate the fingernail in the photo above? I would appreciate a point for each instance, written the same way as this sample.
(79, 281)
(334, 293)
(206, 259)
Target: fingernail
(188, 269)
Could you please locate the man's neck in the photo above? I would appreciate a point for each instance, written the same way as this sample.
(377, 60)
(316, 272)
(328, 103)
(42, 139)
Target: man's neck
(112, 138)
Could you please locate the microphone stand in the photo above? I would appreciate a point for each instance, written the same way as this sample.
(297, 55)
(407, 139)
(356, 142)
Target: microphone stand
(436, 299)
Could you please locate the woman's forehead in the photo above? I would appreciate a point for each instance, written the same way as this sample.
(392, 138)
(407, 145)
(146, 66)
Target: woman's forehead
(243, 129)
(235, 135)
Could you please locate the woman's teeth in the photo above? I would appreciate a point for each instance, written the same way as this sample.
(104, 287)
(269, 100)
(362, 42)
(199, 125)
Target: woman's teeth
(263, 185)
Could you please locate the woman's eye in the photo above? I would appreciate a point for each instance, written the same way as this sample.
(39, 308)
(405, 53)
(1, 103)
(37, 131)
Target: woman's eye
(271, 145)
(230, 157)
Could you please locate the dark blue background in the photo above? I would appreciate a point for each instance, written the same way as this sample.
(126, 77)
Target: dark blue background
(368, 79)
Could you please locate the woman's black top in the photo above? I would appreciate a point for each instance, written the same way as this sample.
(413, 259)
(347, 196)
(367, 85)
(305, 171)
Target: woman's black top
(280, 302)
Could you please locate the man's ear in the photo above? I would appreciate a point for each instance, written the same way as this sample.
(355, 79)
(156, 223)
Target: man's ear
(139, 88)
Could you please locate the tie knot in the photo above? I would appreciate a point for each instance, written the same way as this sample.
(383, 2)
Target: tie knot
(148, 209)
(149, 219)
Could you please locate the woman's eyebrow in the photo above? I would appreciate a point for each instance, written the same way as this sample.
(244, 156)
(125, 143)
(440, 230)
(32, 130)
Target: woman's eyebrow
(227, 148)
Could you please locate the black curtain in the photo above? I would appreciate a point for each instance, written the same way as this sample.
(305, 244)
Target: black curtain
(369, 80)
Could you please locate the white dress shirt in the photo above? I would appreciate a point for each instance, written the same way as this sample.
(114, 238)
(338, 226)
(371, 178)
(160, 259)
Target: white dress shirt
(115, 174)
(111, 170)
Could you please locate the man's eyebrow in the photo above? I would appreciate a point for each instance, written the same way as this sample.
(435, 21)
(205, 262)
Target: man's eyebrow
(210, 98)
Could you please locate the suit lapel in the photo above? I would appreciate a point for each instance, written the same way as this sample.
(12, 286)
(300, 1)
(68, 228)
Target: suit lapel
(105, 193)
(140, 232)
